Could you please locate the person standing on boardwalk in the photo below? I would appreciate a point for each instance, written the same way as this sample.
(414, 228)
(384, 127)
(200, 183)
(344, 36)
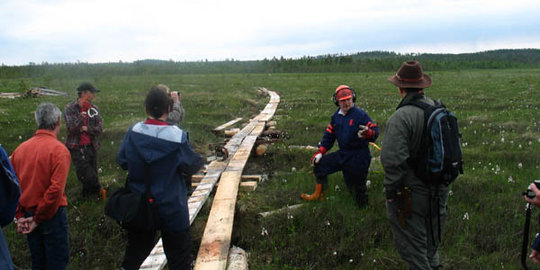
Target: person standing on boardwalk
(42, 165)
(353, 129)
(84, 125)
(163, 152)
(415, 209)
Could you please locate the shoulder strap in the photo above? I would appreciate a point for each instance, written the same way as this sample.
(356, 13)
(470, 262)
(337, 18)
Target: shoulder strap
(147, 179)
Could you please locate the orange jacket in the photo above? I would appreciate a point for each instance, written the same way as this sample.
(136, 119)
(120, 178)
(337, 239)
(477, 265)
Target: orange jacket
(42, 165)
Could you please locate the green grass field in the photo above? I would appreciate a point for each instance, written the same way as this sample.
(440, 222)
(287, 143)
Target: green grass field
(498, 112)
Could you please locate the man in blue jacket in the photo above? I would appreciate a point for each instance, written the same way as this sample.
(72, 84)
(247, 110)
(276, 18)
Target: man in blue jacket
(165, 151)
(353, 129)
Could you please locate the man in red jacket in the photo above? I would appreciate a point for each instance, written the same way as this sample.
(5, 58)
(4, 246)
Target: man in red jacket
(42, 165)
(84, 125)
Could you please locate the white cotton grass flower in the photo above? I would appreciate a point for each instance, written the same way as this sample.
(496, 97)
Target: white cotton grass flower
(510, 179)
(368, 183)
(337, 188)
(520, 165)
(264, 231)
(327, 223)
(466, 216)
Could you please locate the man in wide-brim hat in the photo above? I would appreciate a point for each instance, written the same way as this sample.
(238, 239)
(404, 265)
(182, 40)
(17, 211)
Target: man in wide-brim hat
(410, 75)
(408, 199)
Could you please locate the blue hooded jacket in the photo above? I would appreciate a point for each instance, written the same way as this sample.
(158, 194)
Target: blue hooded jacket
(10, 192)
(167, 153)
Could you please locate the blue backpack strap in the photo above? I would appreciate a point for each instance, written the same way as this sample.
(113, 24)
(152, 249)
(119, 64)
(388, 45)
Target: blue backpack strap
(10, 190)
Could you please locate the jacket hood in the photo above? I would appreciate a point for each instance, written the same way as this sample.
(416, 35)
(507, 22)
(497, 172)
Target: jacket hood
(154, 142)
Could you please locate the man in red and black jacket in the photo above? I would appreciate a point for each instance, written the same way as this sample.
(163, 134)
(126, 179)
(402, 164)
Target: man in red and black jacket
(353, 129)
(84, 125)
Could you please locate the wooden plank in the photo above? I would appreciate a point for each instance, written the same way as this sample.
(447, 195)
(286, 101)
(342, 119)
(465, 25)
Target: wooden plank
(215, 243)
(228, 124)
(216, 239)
(248, 185)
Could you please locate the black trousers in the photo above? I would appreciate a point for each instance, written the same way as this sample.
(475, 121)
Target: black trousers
(85, 162)
(177, 246)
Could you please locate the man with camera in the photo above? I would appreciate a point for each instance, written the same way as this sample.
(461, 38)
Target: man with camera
(533, 197)
(176, 115)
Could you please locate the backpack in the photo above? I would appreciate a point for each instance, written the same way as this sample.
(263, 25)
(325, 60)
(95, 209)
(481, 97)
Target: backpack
(439, 159)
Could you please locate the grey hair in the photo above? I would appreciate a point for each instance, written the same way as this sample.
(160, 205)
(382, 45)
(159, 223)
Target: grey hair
(162, 87)
(47, 115)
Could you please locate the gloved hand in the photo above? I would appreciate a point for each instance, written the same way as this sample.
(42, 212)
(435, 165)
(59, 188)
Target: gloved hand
(317, 156)
(365, 133)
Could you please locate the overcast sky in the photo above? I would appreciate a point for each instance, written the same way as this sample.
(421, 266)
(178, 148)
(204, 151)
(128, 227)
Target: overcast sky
(58, 31)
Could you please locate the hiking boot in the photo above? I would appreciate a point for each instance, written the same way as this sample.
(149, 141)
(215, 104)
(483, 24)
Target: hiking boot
(102, 194)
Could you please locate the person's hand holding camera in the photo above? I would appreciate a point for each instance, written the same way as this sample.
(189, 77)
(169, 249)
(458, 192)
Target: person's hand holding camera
(533, 193)
(175, 96)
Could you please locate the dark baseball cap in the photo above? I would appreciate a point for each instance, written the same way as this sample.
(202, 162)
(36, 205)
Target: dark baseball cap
(86, 86)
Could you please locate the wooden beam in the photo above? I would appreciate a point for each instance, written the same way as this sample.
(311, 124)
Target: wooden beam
(289, 208)
(226, 125)
(216, 239)
(227, 169)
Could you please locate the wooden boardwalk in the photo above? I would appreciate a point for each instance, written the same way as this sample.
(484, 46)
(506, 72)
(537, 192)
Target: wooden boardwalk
(216, 239)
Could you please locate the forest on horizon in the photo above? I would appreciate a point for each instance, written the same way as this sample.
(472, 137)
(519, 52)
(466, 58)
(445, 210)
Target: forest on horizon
(373, 61)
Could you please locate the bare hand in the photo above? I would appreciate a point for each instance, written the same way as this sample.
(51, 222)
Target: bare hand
(26, 225)
(536, 199)
(84, 129)
(175, 96)
(535, 256)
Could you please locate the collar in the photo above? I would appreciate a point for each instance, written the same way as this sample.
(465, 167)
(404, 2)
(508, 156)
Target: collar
(410, 97)
(45, 132)
(157, 122)
(341, 112)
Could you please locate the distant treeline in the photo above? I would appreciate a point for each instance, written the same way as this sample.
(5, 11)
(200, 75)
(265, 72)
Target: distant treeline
(359, 62)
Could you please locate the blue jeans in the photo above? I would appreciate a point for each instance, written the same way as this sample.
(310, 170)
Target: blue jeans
(48, 243)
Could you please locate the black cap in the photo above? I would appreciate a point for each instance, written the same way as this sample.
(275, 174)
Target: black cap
(86, 86)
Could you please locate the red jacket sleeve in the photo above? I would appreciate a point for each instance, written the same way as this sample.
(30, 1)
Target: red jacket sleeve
(53, 195)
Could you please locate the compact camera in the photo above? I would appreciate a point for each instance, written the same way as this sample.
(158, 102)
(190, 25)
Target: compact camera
(529, 193)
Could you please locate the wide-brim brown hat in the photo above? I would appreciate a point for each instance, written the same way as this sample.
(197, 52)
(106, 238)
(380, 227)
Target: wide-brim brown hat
(410, 75)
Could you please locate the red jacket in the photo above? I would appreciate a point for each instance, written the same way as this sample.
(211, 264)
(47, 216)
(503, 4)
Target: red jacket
(42, 165)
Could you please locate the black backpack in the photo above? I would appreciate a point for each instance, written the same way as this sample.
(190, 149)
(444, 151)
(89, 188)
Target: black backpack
(439, 159)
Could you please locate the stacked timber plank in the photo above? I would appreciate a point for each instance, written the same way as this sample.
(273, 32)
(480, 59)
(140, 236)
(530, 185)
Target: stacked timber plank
(216, 240)
(219, 225)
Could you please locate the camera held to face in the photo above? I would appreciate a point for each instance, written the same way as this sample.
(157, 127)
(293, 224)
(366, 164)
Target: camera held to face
(529, 193)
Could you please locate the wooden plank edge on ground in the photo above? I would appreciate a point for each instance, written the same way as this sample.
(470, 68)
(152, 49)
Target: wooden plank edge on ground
(216, 240)
(157, 260)
(228, 124)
